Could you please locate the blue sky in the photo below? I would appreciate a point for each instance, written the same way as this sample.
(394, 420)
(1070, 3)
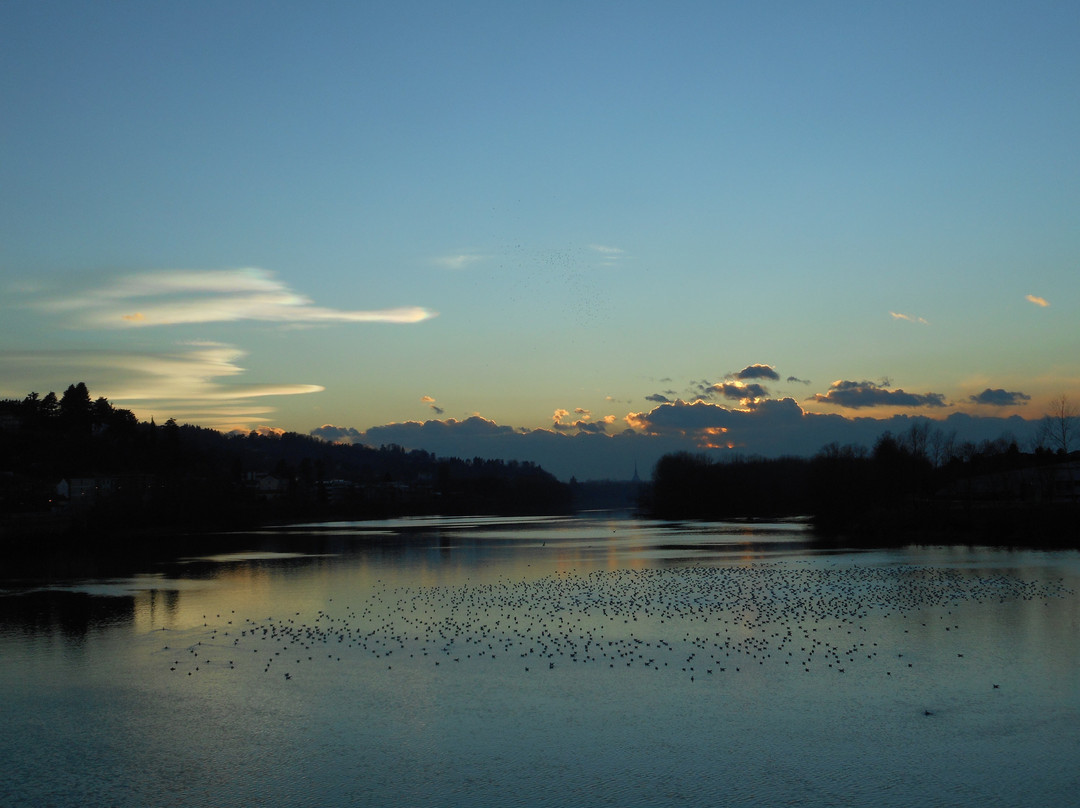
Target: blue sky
(573, 218)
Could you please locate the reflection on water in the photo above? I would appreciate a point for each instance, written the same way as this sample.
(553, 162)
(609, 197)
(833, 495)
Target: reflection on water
(557, 661)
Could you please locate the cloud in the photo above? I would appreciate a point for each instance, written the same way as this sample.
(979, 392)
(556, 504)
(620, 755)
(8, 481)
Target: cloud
(194, 383)
(757, 372)
(658, 398)
(737, 391)
(597, 427)
(338, 434)
(268, 431)
(473, 431)
(797, 380)
(179, 297)
(609, 256)
(459, 261)
(770, 428)
(682, 418)
(589, 454)
(911, 319)
(855, 395)
(1000, 398)
(582, 424)
(1042, 302)
(431, 403)
(194, 380)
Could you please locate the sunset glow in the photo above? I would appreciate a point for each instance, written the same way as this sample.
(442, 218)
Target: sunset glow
(792, 229)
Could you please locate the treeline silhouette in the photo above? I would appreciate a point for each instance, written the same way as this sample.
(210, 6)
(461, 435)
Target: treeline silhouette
(77, 464)
(82, 467)
(922, 484)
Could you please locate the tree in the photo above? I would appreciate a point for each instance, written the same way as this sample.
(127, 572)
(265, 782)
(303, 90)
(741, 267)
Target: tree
(50, 407)
(1058, 427)
(102, 411)
(917, 439)
(942, 446)
(76, 408)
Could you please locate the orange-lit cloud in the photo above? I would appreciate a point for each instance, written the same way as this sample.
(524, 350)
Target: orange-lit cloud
(584, 422)
(268, 431)
(1042, 302)
(715, 438)
(735, 391)
(431, 403)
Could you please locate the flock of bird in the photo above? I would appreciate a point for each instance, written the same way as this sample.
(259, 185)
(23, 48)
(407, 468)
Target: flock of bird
(696, 621)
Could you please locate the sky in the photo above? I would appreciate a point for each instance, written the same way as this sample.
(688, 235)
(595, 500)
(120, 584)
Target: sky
(577, 233)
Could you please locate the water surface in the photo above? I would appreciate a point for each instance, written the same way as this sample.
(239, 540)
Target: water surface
(556, 661)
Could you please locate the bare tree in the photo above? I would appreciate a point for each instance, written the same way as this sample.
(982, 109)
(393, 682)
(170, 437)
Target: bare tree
(917, 439)
(1058, 428)
(942, 446)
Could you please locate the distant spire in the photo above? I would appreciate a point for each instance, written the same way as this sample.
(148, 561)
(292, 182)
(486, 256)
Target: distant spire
(635, 478)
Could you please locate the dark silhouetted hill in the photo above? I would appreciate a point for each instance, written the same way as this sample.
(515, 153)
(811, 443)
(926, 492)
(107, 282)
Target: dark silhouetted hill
(72, 464)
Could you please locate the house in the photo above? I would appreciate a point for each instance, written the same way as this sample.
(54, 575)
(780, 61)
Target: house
(82, 492)
(266, 486)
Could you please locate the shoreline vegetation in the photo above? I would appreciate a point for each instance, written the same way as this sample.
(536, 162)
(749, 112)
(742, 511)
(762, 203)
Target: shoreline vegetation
(81, 476)
(898, 493)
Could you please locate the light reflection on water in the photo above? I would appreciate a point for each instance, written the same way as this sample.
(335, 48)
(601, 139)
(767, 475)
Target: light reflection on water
(580, 662)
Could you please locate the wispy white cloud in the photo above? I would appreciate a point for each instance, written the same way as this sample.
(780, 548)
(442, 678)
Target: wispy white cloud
(609, 256)
(191, 383)
(909, 318)
(459, 260)
(1041, 302)
(177, 297)
(197, 382)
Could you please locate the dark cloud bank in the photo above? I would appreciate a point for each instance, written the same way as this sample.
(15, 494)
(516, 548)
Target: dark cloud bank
(999, 398)
(770, 428)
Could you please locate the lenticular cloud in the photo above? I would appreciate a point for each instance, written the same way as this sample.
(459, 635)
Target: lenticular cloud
(177, 297)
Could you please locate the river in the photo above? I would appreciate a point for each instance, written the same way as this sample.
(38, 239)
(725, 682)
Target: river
(577, 661)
